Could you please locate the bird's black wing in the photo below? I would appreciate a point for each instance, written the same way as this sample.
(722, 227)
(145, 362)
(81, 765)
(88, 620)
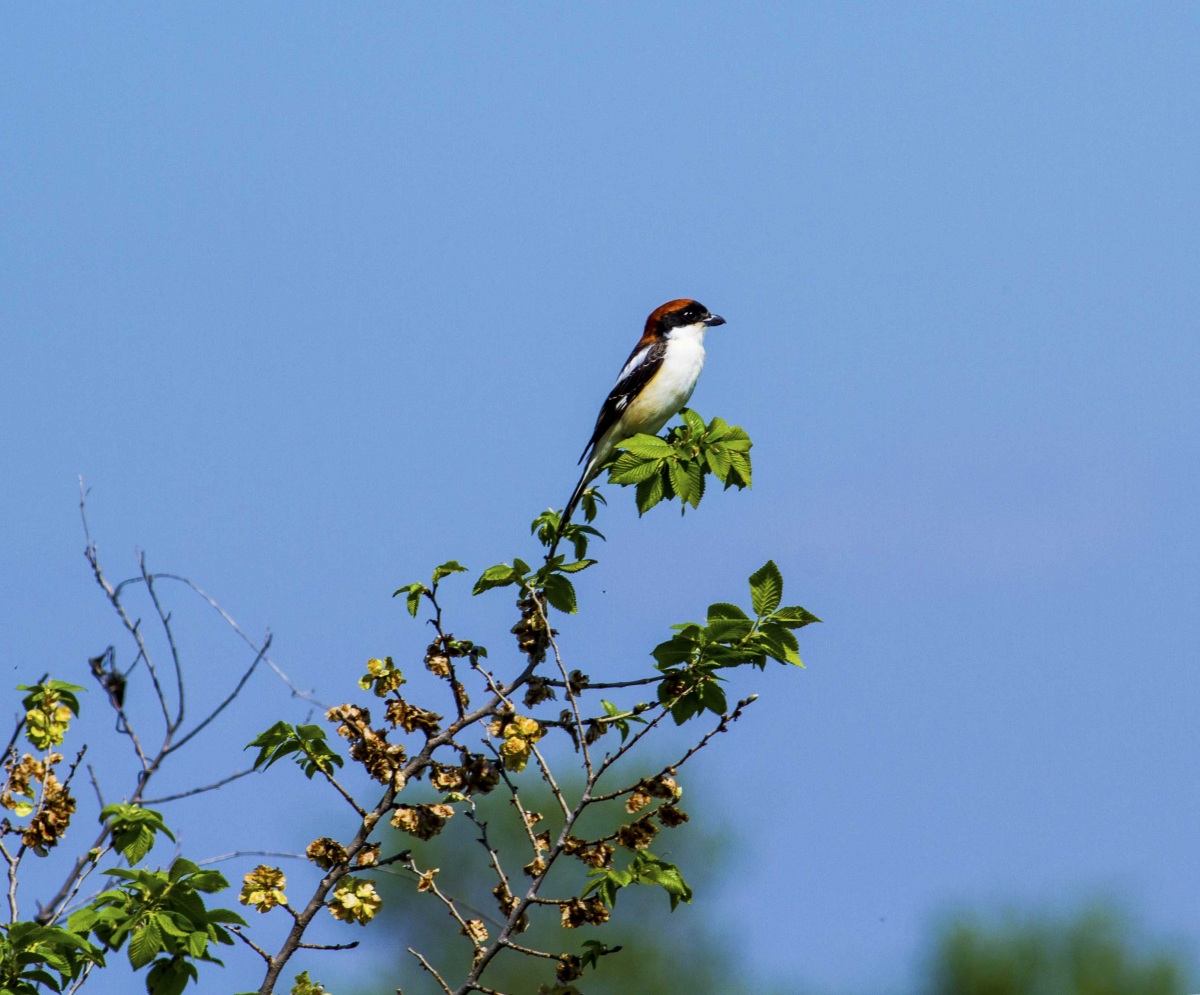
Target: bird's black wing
(626, 389)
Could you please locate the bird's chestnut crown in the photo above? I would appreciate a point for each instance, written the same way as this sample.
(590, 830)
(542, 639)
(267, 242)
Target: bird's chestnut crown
(675, 314)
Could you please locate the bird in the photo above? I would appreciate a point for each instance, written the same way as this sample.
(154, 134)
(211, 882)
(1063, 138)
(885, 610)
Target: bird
(654, 385)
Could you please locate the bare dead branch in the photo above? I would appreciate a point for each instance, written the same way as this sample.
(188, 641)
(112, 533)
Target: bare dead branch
(165, 620)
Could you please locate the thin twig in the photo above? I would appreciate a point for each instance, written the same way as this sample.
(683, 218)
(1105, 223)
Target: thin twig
(212, 603)
(430, 968)
(606, 685)
(251, 944)
(198, 791)
(258, 658)
(431, 886)
(95, 785)
(250, 853)
(571, 696)
(11, 861)
(529, 951)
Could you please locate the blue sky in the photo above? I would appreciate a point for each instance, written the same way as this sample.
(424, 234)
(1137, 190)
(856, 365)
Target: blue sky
(315, 298)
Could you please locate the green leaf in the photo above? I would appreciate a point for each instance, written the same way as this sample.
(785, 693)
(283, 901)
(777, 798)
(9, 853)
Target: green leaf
(739, 470)
(137, 844)
(723, 609)
(766, 588)
(794, 617)
(144, 945)
(588, 504)
(673, 652)
(560, 592)
(648, 869)
(168, 925)
(446, 569)
(82, 920)
(729, 630)
(181, 867)
(712, 697)
(695, 473)
(574, 568)
(681, 481)
(133, 829)
(412, 596)
(501, 575)
(169, 976)
(197, 943)
(785, 648)
(308, 740)
(692, 420)
(630, 469)
(649, 493)
(226, 916)
(718, 461)
(647, 446)
(736, 440)
(273, 744)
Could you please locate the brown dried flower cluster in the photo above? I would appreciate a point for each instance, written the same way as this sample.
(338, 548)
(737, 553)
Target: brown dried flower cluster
(23, 774)
(663, 786)
(482, 775)
(592, 854)
(422, 821)
(538, 690)
(476, 931)
(533, 635)
(369, 747)
(570, 968)
(410, 718)
(439, 653)
(637, 835)
(326, 852)
(52, 818)
(446, 778)
(671, 816)
(505, 898)
(583, 912)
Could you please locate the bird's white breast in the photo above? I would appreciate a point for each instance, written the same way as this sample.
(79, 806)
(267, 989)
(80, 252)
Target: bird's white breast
(670, 388)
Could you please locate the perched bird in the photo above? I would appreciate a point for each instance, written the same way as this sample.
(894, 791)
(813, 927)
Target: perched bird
(655, 383)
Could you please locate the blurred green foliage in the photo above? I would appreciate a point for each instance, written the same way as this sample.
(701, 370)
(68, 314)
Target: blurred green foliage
(1095, 953)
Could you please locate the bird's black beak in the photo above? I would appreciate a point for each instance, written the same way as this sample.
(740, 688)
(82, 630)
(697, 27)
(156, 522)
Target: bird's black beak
(714, 319)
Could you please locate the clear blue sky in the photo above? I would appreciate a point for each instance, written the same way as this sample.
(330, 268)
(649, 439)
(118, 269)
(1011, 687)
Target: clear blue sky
(315, 297)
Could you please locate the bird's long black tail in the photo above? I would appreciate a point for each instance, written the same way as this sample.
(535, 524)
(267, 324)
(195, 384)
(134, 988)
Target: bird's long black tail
(589, 472)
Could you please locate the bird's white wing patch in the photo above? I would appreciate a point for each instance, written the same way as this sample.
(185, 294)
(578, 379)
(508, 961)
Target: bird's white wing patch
(635, 361)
